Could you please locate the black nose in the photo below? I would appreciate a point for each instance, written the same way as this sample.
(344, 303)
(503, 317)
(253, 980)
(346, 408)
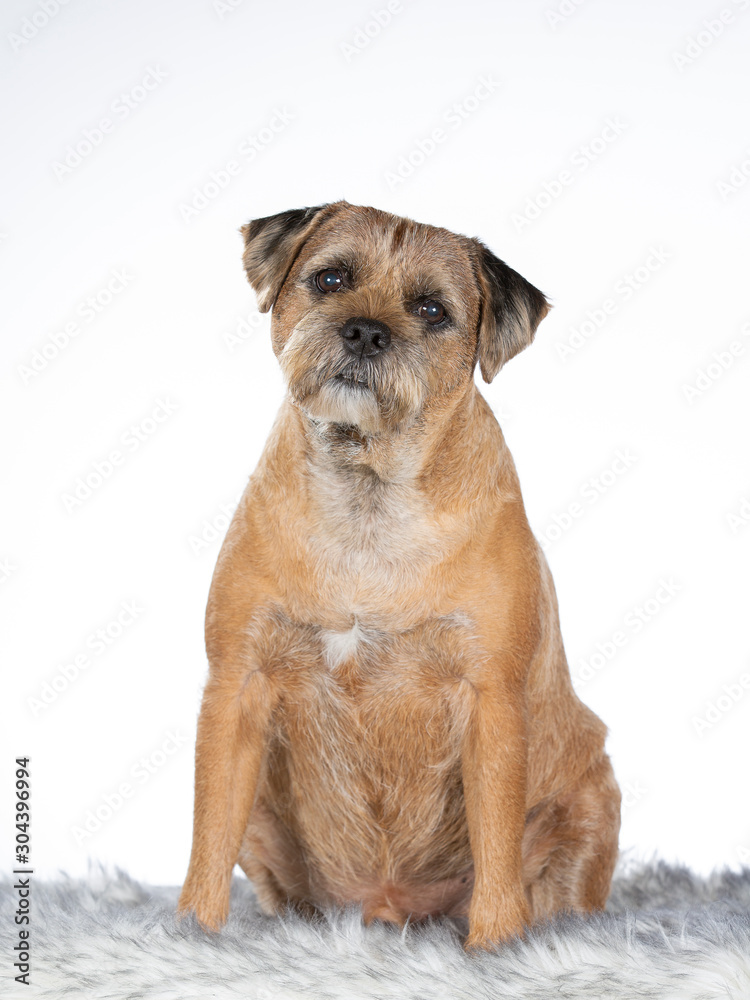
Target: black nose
(365, 337)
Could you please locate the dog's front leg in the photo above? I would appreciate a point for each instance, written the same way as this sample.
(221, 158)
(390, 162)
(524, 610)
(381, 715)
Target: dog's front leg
(494, 780)
(232, 727)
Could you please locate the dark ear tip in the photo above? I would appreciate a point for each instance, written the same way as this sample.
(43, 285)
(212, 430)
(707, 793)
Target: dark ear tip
(543, 306)
(251, 229)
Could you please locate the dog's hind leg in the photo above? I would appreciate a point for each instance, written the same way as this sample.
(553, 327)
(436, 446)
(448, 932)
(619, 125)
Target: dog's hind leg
(570, 846)
(273, 861)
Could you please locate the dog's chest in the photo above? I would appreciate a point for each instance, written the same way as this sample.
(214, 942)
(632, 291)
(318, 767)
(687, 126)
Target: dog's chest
(370, 550)
(369, 664)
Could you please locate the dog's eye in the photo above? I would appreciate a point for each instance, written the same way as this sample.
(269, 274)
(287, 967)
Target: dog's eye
(432, 311)
(329, 280)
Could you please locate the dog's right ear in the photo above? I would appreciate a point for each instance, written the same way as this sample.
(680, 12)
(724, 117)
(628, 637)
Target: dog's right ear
(271, 247)
(512, 309)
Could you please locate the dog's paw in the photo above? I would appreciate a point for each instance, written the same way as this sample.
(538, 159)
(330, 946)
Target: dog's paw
(487, 930)
(211, 913)
(487, 940)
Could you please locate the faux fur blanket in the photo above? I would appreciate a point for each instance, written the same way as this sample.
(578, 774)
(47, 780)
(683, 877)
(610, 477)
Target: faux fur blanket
(667, 933)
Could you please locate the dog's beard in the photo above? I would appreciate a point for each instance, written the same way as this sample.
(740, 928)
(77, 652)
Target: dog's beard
(372, 395)
(352, 405)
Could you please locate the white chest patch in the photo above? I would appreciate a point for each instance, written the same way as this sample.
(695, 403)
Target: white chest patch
(338, 647)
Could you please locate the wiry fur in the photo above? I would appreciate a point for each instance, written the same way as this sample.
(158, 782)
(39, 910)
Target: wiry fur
(666, 933)
(434, 758)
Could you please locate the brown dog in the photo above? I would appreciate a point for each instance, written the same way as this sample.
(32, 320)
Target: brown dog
(389, 718)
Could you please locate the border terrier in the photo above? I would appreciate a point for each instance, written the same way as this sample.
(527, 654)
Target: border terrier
(389, 718)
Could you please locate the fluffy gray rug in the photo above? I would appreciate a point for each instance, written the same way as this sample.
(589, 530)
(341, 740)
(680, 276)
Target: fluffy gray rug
(667, 933)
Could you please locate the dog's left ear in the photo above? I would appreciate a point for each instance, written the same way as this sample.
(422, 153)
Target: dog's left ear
(271, 247)
(512, 309)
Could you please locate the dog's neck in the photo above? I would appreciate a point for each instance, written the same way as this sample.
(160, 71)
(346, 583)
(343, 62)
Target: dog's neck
(422, 455)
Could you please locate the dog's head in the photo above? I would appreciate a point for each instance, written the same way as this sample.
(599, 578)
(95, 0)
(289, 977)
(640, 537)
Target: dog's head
(376, 318)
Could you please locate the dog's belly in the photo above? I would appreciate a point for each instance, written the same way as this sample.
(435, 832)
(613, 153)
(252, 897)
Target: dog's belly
(362, 786)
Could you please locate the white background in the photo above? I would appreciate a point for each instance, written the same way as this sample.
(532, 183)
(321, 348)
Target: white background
(357, 106)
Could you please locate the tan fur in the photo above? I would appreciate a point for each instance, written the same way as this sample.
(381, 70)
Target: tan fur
(389, 718)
